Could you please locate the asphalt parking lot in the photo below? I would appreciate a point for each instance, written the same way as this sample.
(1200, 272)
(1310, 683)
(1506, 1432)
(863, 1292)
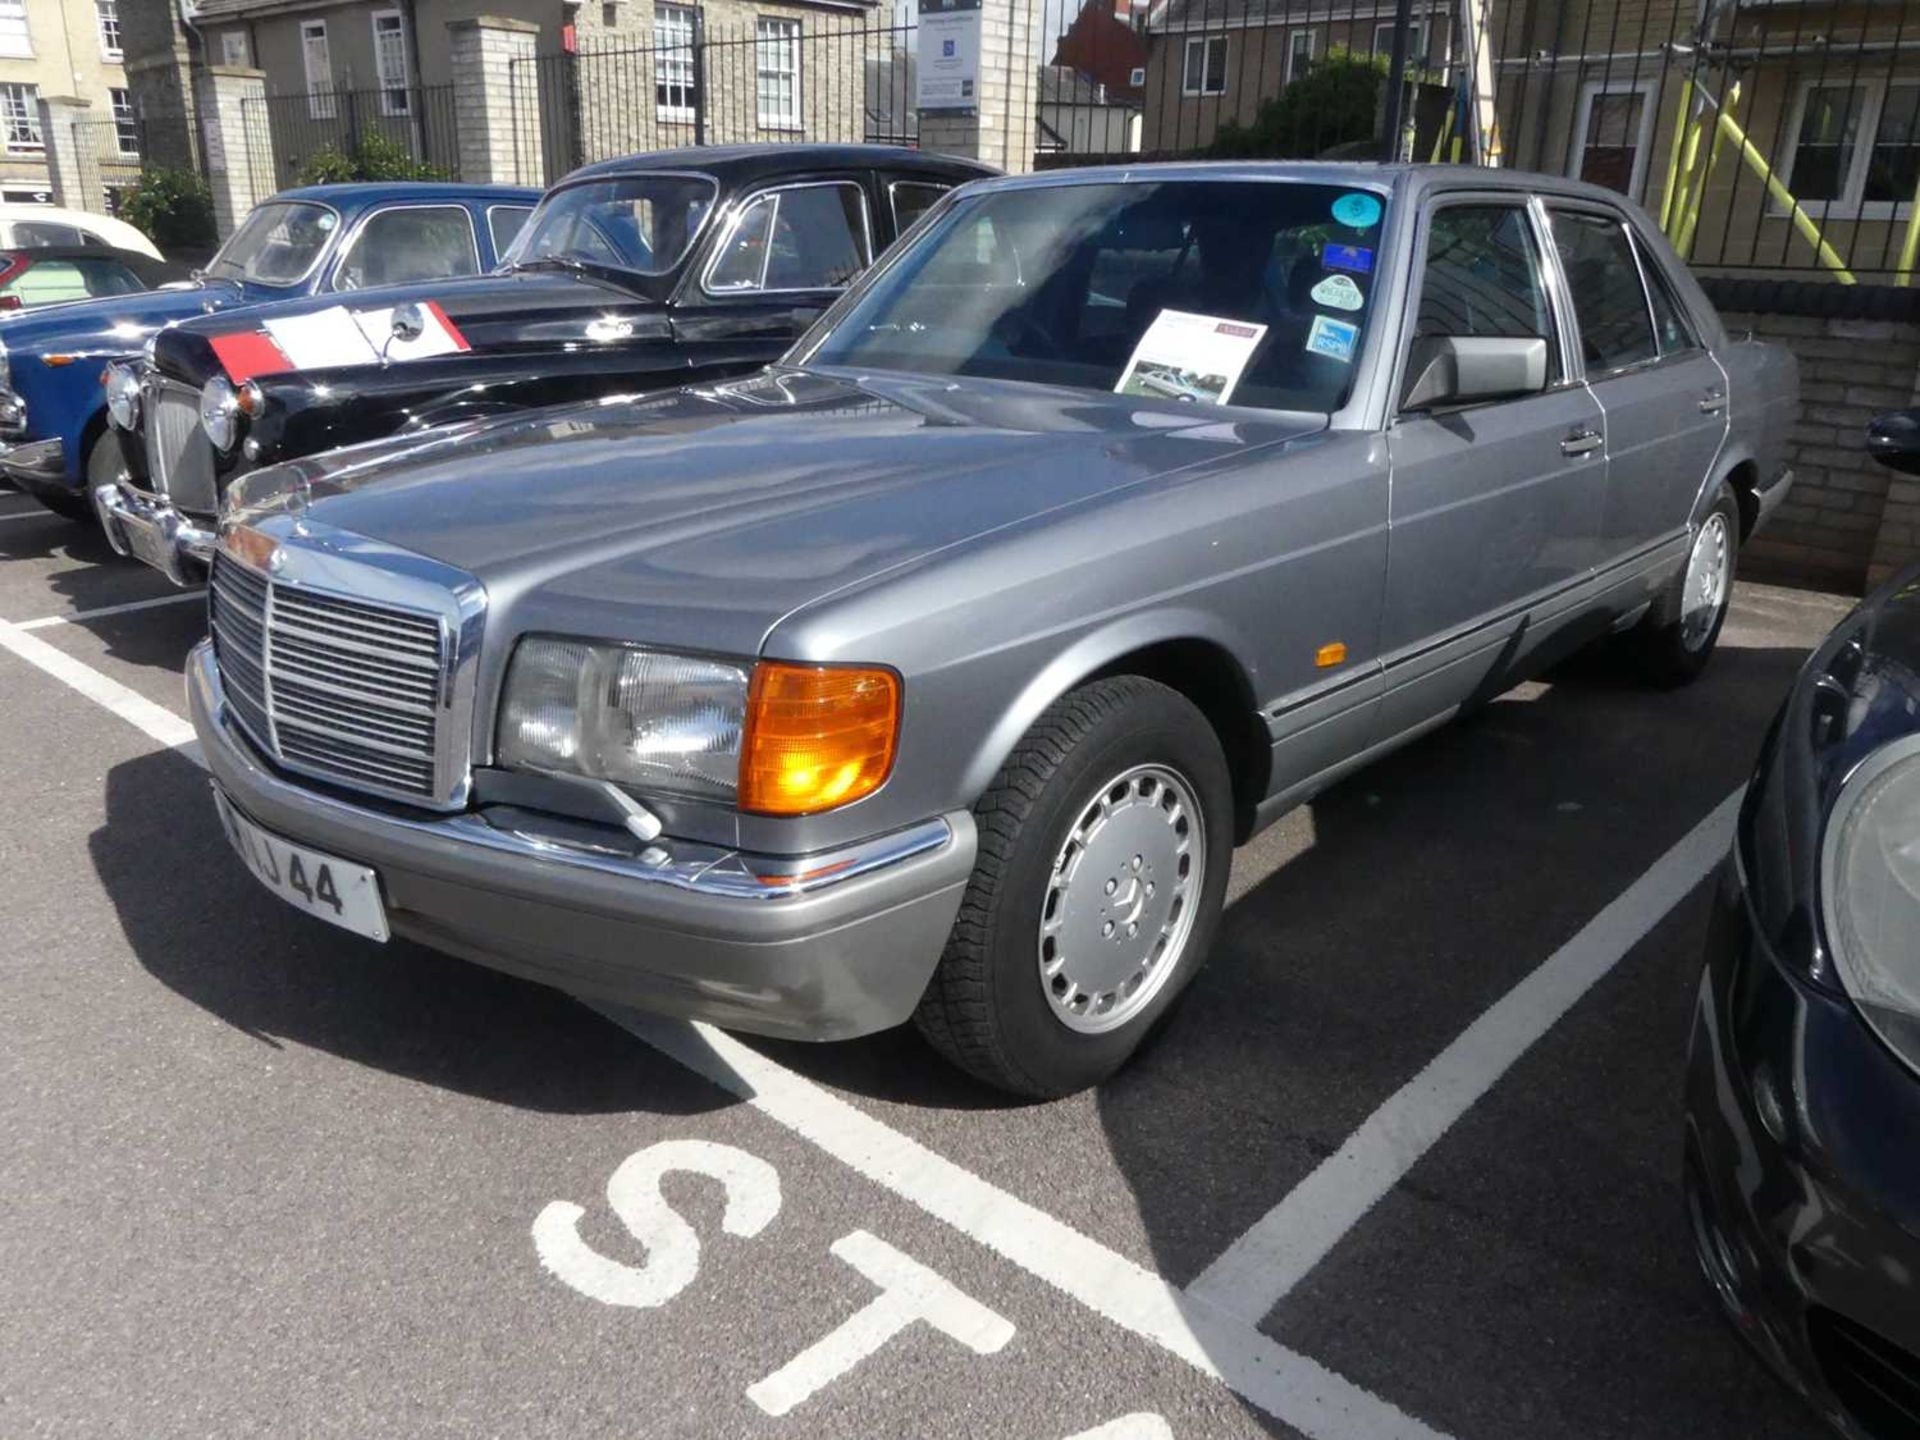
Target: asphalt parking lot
(1405, 1163)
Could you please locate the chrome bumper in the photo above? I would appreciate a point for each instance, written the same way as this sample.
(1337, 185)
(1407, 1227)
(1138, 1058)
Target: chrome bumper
(150, 530)
(36, 464)
(819, 947)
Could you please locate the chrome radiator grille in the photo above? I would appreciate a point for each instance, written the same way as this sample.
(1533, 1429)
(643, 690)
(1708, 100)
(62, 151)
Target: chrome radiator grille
(336, 688)
(179, 455)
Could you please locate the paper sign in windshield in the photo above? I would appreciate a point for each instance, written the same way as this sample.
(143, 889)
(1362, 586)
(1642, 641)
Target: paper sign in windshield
(1195, 358)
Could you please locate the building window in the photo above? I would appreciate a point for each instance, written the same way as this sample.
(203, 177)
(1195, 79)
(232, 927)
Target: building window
(1299, 54)
(390, 63)
(1206, 66)
(1613, 124)
(321, 104)
(20, 113)
(1416, 41)
(675, 86)
(233, 49)
(14, 37)
(1830, 171)
(109, 13)
(776, 68)
(126, 126)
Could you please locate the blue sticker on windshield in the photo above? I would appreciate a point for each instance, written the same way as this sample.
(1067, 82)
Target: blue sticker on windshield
(1356, 258)
(1357, 211)
(1334, 339)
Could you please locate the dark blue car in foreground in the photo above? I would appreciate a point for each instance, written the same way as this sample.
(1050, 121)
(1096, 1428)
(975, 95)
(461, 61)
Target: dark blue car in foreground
(302, 242)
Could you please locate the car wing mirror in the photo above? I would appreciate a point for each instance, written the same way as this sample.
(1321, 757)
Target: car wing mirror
(409, 323)
(1456, 369)
(1894, 440)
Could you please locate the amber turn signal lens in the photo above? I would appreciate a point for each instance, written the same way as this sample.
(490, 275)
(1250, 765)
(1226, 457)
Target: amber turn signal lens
(818, 736)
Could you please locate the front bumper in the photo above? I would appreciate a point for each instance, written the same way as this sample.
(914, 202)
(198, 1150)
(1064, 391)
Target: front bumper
(37, 466)
(148, 528)
(1805, 1199)
(845, 947)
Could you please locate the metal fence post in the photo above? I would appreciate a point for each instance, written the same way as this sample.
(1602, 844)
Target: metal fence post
(1394, 140)
(699, 76)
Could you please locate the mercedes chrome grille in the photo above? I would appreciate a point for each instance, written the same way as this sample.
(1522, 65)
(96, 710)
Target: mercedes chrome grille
(332, 686)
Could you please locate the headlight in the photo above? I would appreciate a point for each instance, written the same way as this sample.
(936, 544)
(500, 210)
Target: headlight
(1870, 889)
(774, 738)
(614, 712)
(220, 413)
(123, 396)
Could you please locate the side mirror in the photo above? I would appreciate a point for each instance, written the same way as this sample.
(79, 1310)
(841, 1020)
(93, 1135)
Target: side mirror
(1894, 440)
(408, 323)
(1455, 369)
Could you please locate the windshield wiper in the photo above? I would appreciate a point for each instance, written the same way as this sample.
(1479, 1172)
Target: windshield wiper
(612, 275)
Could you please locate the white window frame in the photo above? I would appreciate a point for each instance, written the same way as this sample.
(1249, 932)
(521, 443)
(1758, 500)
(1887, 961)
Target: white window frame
(126, 122)
(321, 102)
(239, 55)
(1206, 42)
(784, 42)
(1642, 142)
(1850, 205)
(29, 118)
(20, 48)
(396, 96)
(1416, 41)
(1295, 54)
(670, 48)
(107, 13)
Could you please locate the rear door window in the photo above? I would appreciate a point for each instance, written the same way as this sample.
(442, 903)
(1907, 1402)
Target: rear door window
(808, 237)
(911, 200)
(412, 243)
(504, 223)
(1670, 324)
(1609, 302)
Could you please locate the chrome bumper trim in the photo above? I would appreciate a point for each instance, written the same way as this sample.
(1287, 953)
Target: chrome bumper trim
(41, 460)
(149, 529)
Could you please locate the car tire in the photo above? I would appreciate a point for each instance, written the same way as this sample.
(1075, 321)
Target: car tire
(103, 464)
(1104, 844)
(1673, 643)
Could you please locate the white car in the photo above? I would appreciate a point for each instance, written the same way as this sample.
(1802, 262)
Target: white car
(29, 225)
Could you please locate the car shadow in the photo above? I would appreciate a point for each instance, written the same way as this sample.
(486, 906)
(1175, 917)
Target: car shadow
(1538, 1253)
(198, 923)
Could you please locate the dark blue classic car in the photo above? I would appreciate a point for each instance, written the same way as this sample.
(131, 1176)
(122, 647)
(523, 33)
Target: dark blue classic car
(669, 268)
(302, 242)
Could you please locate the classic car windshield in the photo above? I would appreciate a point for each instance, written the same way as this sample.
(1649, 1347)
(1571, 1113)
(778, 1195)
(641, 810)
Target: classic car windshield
(1207, 291)
(277, 244)
(643, 223)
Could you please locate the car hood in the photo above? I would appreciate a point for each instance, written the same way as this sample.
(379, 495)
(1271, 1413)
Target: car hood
(700, 517)
(523, 309)
(114, 325)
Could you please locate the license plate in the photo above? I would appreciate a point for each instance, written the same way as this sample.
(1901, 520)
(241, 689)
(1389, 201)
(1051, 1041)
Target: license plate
(336, 890)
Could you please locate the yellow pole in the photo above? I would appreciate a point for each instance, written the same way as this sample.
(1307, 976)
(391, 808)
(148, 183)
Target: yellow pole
(1910, 247)
(1697, 194)
(1688, 160)
(1673, 155)
(1802, 222)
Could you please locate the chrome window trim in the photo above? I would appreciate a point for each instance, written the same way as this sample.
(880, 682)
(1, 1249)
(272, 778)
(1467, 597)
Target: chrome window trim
(367, 217)
(747, 202)
(320, 259)
(940, 191)
(500, 252)
(1593, 209)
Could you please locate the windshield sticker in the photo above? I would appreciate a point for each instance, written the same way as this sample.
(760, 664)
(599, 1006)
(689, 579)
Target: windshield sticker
(1357, 211)
(1337, 292)
(1194, 358)
(1356, 258)
(1334, 339)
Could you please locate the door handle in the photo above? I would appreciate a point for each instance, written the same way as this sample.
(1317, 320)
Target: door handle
(1581, 442)
(1713, 402)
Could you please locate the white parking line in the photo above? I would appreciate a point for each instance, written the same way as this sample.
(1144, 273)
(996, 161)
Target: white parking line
(102, 611)
(1260, 1268)
(130, 705)
(37, 513)
(1284, 1383)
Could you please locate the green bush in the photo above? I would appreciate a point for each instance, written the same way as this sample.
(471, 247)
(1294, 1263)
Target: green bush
(375, 156)
(173, 208)
(1336, 102)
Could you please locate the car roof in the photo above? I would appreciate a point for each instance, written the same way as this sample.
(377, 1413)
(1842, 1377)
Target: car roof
(1325, 172)
(366, 192)
(736, 163)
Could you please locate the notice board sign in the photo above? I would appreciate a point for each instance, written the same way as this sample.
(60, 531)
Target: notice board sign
(949, 56)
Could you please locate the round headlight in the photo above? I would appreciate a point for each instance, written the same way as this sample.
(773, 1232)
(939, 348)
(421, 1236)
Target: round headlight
(220, 413)
(123, 396)
(1870, 889)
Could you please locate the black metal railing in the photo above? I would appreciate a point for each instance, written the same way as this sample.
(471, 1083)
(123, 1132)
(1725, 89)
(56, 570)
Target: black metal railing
(702, 82)
(399, 132)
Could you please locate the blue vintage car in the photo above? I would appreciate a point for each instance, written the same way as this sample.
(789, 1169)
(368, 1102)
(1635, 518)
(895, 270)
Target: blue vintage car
(306, 241)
